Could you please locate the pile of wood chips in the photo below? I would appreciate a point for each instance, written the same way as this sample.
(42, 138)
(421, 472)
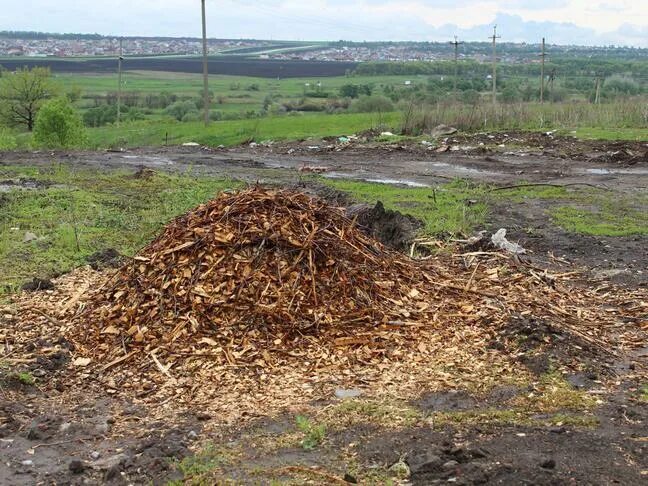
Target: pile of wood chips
(262, 296)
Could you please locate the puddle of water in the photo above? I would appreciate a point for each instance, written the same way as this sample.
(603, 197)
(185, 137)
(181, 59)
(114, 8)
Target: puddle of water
(461, 169)
(402, 182)
(150, 159)
(604, 171)
(398, 182)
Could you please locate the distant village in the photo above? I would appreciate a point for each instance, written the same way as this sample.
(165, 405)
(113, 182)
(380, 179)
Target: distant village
(66, 45)
(54, 47)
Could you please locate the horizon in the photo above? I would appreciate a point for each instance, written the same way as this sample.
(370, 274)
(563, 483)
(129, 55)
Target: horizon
(562, 22)
(501, 42)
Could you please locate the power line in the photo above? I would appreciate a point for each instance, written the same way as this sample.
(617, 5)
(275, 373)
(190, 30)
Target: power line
(119, 79)
(456, 45)
(494, 38)
(205, 65)
(542, 71)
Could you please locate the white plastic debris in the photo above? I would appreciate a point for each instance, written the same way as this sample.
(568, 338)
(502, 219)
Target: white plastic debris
(386, 134)
(191, 144)
(499, 241)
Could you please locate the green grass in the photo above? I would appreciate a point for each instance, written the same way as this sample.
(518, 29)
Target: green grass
(588, 211)
(443, 210)
(154, 133)
(314, 434)
(600, 133)
(610, 218)
(86, 211)
(203, 467)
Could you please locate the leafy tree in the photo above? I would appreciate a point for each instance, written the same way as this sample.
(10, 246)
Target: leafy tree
(355, 90)
(23, 93)
(58, 125)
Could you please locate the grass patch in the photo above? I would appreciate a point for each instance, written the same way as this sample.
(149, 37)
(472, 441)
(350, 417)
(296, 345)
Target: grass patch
(502, 418)
(203, 468)
(553, 401)
(599, 133)
(77, 213)
(610, 218)
(643, 393)
(155, 133)
(382, 413)
(443, 210)
(587, 211)
(554, 394)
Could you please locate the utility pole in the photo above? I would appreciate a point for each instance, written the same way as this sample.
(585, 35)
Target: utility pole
(552, 77)
(494, 38)
(597, 97)
(456, 45)
(119, 80)
(542, 71)
(205, 65)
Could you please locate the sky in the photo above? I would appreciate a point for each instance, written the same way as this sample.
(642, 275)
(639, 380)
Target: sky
(585, 22)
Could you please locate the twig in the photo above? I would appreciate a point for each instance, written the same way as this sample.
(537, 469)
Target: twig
(549, 185)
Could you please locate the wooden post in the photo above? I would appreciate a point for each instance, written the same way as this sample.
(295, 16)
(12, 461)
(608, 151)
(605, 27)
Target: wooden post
(119, 80)
(456, 44)
(542, 72)
(206, 100)
(494, 38)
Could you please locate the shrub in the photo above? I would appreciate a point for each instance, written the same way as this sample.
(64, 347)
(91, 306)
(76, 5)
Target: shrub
(372, 104)
(58, 125)
(191, 116)
(179, 109)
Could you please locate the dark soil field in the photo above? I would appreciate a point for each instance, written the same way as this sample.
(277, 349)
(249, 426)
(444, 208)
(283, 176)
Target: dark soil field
(232, 66)
(576, 414)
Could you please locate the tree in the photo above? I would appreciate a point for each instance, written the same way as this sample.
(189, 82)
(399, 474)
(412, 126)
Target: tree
(58, 125)
(23, 93)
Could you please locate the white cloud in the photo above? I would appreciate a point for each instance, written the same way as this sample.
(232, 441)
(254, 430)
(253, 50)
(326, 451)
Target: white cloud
(326, 19)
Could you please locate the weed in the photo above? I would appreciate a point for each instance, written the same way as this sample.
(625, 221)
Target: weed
(643, 393)
(313, 433)
(25, 378)
(383, 413)
(203, 467)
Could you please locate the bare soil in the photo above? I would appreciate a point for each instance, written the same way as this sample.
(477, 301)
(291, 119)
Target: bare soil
(50, 436)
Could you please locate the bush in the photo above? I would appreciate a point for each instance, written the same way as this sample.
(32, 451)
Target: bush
(105, 114)
(470, 96)
(355, 90)
(58, 125)
(191, 116)
(620, 86)
(179, 109)
(372, 104)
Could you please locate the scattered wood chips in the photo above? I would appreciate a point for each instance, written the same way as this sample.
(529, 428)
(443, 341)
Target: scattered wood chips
(260, 299)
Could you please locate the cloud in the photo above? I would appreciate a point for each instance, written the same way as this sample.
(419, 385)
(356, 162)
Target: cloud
(561, 21)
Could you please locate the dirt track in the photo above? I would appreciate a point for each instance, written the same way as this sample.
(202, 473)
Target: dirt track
(617, 166)
(132, 448)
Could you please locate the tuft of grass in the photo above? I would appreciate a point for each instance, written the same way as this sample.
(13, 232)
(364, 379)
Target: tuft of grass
(25, 378)
(643, 393)
(553, 394)
(314, 434)
(203, 468)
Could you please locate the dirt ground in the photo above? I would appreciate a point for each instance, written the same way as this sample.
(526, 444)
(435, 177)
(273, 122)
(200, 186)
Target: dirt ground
(58, 434)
